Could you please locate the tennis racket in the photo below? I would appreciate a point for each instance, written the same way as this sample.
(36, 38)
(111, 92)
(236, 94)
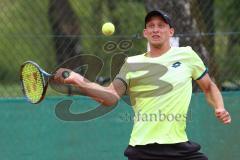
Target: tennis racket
(34, 81)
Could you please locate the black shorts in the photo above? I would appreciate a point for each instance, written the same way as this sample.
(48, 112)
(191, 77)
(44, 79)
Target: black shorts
(179, 151)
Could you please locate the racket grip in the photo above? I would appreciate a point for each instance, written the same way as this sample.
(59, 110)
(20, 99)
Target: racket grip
(65, 74)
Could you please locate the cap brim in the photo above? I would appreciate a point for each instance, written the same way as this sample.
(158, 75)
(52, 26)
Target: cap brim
(158, 13)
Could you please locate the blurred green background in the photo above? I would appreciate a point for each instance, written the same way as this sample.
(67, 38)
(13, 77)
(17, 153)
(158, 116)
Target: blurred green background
(35, 132)
(51, 31)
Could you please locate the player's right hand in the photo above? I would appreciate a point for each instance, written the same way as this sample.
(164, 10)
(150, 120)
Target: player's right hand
(71, 79)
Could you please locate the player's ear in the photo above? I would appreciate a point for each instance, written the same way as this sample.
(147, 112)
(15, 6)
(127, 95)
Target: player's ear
(145, 33)
(171, 31)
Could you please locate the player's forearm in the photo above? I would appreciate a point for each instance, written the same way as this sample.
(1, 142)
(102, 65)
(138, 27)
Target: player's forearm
(99, 93)
(214, 97)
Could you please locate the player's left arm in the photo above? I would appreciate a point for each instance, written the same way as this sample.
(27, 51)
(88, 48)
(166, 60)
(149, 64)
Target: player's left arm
(214, 98)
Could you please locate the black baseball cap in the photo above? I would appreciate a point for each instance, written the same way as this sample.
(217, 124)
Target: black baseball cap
(160, 13)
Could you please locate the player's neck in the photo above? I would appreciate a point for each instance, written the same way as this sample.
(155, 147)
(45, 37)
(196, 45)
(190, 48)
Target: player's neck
(158, 51)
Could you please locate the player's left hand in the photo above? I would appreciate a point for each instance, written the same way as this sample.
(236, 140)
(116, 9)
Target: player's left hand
(223, 116)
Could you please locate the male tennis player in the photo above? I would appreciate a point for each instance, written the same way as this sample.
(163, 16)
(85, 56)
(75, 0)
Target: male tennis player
(159, 82)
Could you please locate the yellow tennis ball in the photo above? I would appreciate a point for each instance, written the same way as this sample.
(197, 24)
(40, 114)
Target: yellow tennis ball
(108, 29)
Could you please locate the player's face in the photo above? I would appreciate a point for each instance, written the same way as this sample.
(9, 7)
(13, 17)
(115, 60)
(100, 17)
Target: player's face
(157, 31)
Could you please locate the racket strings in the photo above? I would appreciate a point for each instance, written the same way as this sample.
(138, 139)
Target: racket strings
(32, 82)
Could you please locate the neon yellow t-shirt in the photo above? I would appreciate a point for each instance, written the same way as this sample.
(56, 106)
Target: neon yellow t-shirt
(160, 90)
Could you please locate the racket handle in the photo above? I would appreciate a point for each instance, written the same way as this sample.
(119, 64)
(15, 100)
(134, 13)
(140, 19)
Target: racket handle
(65, 74)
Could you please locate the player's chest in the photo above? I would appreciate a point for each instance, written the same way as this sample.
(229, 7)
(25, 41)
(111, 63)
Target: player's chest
(172, 72)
